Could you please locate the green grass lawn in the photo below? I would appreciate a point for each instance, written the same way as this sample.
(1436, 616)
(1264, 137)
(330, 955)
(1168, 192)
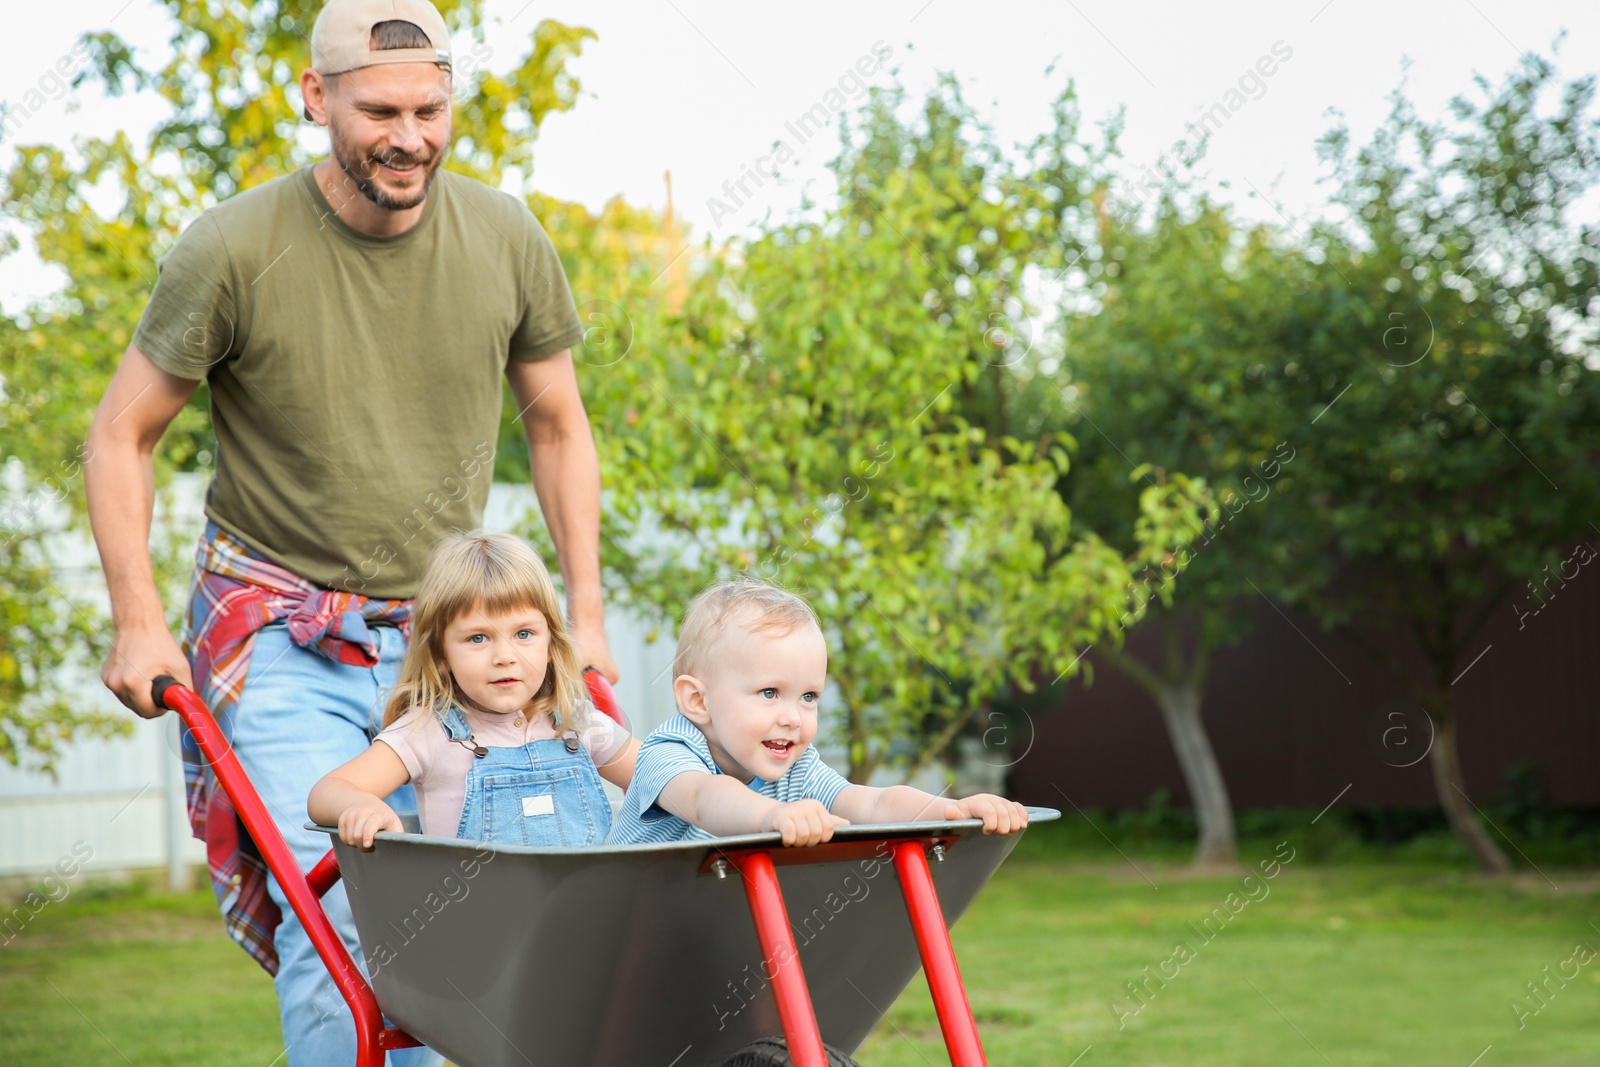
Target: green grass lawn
(148, 980)
(1352, 964)
(1349, 965)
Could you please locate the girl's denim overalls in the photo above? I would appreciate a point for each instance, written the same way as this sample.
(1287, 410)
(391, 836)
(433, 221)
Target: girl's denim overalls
(546, 793)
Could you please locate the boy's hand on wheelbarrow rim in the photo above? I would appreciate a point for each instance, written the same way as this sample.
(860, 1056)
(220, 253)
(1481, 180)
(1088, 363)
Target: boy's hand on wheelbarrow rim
(360, 823)
(802, 822)
(999, 815)
(137, 658)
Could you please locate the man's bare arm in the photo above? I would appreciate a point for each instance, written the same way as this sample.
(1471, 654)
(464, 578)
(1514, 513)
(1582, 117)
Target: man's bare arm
(566, 475)
(119, 481)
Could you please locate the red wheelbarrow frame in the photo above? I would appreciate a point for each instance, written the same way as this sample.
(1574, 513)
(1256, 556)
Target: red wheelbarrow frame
(756, 865)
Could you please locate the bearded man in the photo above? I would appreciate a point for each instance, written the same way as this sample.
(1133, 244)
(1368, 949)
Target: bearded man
(353, 322)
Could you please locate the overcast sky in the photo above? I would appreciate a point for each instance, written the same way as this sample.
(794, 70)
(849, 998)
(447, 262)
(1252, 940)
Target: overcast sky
(704, 88)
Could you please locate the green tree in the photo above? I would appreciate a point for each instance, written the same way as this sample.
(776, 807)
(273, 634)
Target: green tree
(1168, 367)
(631, 270)
(986, 226)
(1041, 219)
(45, 633)
(1427, 356)
(1455, 341)
(809, 420)
(998, 225)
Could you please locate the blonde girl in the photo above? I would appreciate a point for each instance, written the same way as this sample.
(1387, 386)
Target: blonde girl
(490, 719)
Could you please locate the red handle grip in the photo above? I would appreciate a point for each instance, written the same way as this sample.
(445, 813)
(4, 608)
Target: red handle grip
(604, 697)
(372, 1037)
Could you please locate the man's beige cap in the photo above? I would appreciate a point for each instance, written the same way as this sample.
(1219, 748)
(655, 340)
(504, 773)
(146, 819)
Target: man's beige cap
(343, 32)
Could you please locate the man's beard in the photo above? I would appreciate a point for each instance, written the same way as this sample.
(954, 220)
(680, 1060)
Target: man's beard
(369, 188)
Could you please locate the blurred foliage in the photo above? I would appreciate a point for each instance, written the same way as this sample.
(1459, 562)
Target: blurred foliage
(809, 418)
(1458, 305)
(1165, 367)
(1462, 460)
(1169, 367)
(43, 633)
(1428, 353)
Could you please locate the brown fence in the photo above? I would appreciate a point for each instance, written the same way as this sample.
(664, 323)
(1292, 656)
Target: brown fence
(1296, 715)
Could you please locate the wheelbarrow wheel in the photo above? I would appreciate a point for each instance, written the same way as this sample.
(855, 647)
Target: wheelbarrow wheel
(774, 1052)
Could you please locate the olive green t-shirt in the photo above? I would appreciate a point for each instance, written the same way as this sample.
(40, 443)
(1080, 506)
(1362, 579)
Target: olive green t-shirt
(355, 380)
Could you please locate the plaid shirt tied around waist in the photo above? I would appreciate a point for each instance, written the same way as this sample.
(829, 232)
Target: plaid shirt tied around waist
(236, 592)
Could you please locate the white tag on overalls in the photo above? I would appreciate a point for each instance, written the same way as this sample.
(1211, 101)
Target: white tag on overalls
(543, 804)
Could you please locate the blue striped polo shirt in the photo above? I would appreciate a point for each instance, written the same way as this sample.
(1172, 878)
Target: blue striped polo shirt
(677, 747)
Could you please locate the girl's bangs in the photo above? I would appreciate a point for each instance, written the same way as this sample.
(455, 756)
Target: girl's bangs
(483, 575)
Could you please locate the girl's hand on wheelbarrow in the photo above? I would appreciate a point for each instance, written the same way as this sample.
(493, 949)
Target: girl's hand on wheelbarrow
(802, 822)
(999, 815)
(360, 822)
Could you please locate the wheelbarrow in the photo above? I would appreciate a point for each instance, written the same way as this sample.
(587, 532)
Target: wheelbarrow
(685, 954)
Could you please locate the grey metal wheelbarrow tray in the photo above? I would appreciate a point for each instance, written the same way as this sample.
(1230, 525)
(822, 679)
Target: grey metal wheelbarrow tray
(641, 954)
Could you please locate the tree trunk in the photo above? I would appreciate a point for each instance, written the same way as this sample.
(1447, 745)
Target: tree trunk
(1441, 645)
(1178, 691)
(1180, 708)
(1447, 779)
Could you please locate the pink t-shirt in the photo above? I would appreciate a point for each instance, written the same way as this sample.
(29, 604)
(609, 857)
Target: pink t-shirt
(438, 766)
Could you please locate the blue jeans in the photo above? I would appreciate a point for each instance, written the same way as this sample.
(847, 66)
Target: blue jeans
(299, 717)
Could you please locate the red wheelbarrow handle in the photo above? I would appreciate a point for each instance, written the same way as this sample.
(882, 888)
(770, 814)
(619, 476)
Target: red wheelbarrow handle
(304, 890)
(604, 697)
(304, 893)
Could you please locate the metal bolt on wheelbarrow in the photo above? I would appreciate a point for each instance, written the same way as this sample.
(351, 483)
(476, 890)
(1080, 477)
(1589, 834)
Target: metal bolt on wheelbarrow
(638, 954)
